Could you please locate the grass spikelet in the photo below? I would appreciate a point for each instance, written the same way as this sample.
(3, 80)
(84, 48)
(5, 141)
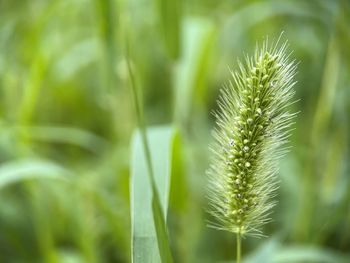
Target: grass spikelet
(253, 124)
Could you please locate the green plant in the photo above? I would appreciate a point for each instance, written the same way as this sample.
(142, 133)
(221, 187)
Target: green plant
(253, 124)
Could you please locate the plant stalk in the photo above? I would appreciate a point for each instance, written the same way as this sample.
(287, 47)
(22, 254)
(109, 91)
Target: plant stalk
(239, 247)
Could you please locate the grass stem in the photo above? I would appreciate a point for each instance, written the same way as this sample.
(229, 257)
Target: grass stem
(239, 246)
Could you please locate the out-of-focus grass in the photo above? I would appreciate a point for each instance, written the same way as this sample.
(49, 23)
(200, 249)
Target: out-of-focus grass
(66, 106)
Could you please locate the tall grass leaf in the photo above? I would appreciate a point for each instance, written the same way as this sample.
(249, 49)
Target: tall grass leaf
(178, 190)
(170, 13)
(273, 252)
(38, 67)
(25, 169)
(106, 14)
(241, 20)
(322, 118)
(161, 230)
(309, 254)
(198, 40)
(75, 58)
(68, 256)
(146, 216)
(265, 252)
(65, 135)
(32, 89)
(328, 91)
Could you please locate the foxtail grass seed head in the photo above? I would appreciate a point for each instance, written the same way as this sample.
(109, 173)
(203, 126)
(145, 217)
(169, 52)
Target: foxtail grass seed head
(253, 124)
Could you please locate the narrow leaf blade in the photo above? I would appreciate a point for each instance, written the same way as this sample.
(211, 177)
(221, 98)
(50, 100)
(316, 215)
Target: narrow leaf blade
(25, 169)
(148, 222)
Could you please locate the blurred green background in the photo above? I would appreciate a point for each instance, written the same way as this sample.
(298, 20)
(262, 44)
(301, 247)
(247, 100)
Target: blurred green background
(67, 118)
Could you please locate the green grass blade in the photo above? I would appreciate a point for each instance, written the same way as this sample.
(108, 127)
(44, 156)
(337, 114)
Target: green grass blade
(106, 14)
(199, 36)
(170, 14)
(309, 254)
(148, 210)
(274, 251)
(16, 171)
(64, 135)
(322, 118)
(161, 230)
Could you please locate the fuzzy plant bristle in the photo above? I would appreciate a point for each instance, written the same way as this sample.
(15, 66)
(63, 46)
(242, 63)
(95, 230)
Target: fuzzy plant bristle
(253, 126)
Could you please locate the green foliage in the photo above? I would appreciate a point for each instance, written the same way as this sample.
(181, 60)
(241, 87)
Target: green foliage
(20, 170)
(67, 111)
